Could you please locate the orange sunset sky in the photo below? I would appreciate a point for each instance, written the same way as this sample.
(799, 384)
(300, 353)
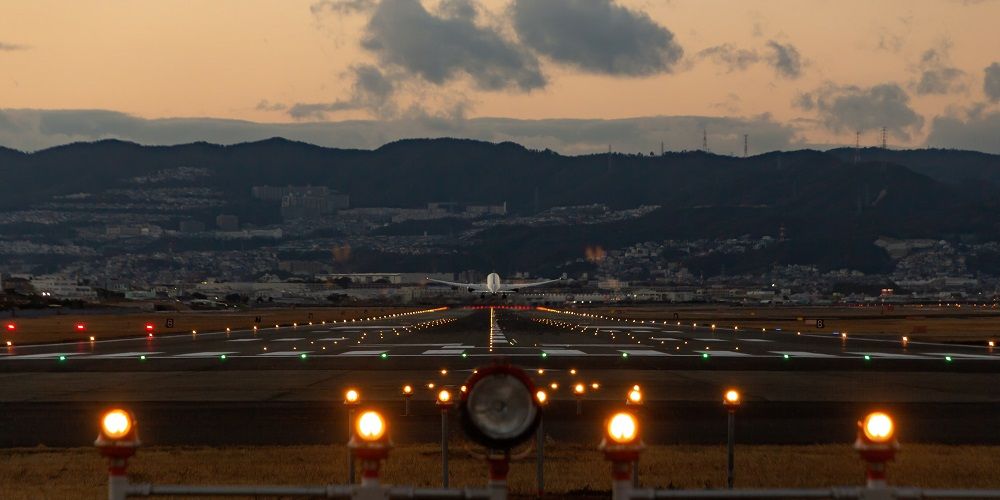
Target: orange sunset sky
(573, 75)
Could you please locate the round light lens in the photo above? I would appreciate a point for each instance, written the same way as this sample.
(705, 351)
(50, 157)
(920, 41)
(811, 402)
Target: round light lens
(407, 389)
(878, 427)
(635, 396)
(541, 396)
(116, 424)
(501, 407)
(370, 426)
(623, 428)
(351, 396)
(732, 396)
(579, 388)
(444, 396)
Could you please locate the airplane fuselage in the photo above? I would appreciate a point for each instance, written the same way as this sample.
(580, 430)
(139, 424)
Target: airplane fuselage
(493, 283)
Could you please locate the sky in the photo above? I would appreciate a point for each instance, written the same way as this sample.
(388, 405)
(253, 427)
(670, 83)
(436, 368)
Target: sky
(575, 76)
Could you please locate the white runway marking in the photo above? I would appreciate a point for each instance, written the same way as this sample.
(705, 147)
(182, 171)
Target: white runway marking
(966, 356)
(123, 355)
(710, 340)
(668, 339)
(243, 340)
(887, 355)
(443, 352)
(293, 339)
(643, 352)
(754, 340)
(804, 354)
(280, 354)
(361, 353)
(725, 354)
(368, 327)
(331, 339)
(208, 354)
(50, 355)
(563, 352)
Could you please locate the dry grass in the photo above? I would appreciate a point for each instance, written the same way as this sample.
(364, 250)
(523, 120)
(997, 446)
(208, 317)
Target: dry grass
(105, 326)
(79, 472)
(960, 324)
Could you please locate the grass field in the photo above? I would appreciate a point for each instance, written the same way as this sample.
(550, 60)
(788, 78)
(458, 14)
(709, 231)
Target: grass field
(570, 470)
(974, 324)
(104, 326)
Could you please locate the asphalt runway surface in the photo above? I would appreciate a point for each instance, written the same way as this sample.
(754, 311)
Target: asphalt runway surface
(284, 385)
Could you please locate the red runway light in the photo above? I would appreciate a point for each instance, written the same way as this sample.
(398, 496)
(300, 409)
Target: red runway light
(80, 327)
(149, 327)
(11, 327)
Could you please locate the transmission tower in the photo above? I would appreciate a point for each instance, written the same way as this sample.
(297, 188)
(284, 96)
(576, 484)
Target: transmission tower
(884, 136)
(746, 145)
(704, 140)
(857, 147)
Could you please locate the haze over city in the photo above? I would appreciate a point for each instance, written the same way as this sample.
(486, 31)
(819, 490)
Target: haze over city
(573, 76)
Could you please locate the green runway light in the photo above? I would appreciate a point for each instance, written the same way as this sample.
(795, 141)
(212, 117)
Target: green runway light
(464, 355)
(868, 358)
(704, 355)
(62, 358)
(624, 354)
(142, 358)
(383, 355)
(948, 359)
(303, 355)
(222, 357)
(786, 356)
(545, 354)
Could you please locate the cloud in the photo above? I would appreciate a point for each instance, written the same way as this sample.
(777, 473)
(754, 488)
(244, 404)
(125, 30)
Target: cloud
(976, 130)
(597, 36)
(372, 90)
(265, 105)
(30, 129)
(785, 59)
(341, 6)
(12, 47)
(728, 55)
(937, 76)
(991, 82)
(850, 108)
(440, 48)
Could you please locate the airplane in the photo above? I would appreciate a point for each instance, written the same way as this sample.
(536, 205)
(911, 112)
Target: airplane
(494, 286)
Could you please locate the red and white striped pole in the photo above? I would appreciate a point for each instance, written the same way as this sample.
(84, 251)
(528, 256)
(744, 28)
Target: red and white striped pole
(370, 445)
(499, 463)
(621, 446)
(877, 445)
(117, 441)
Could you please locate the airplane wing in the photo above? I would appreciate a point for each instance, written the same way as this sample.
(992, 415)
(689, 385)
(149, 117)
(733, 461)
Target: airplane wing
(472, 287)
(510, 287)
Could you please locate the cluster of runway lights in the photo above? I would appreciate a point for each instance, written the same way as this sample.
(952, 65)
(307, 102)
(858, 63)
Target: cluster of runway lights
(369, 443)
(149, 328)
(905, 340)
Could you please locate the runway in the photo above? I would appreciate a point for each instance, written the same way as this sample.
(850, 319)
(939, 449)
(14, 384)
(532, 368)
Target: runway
(469, 337)
(285, 384)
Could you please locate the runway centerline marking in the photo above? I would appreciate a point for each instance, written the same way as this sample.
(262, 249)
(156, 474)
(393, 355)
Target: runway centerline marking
(206, 354)
(124, 355)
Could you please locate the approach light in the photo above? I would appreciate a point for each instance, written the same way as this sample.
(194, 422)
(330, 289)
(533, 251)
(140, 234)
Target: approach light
(595, 386)
(501, 408)
(623, 428)
(11, 327)
(554, 385)
(352, 397)
(732, 398)
(579, 389)
(540, 396)
(116, 424)
(370, 426)
(407, 390)
(149, 327)
(635, 397)
(878, 427)
(80, 327)
(444, 396)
